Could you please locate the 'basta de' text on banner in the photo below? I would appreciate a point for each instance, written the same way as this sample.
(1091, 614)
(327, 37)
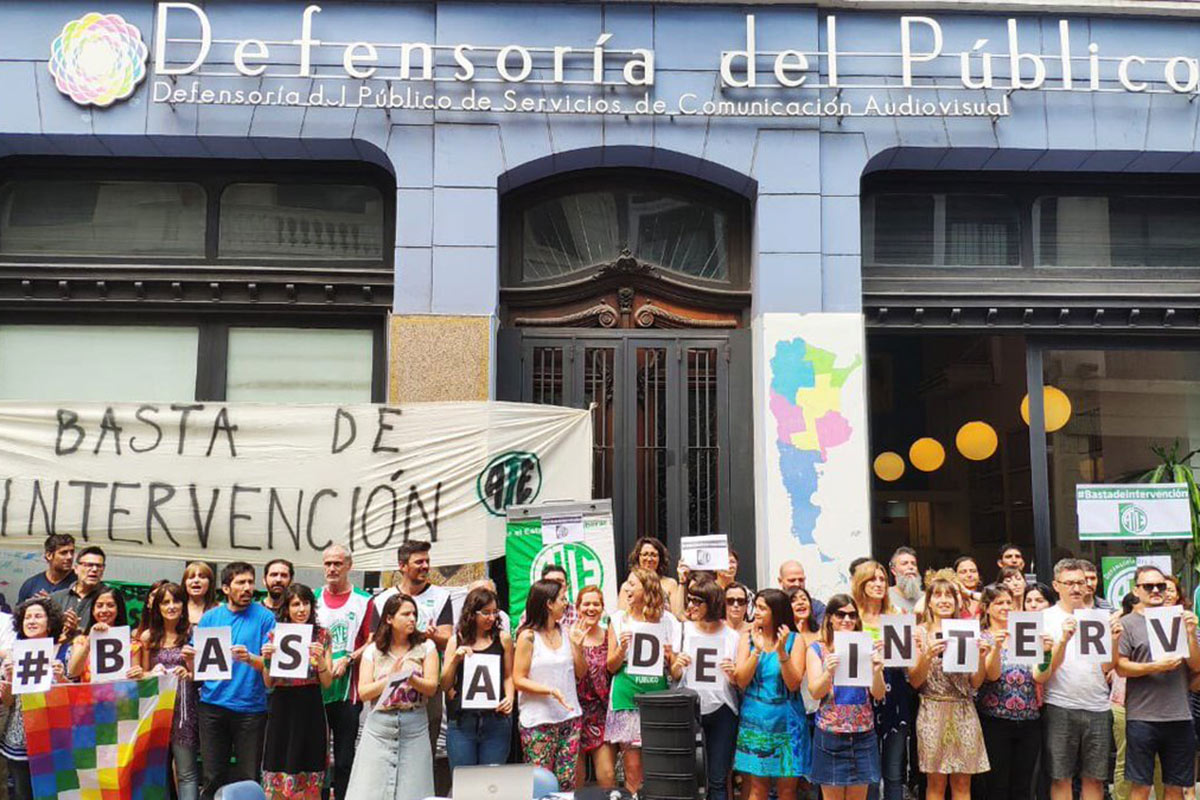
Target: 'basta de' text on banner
(239, 481)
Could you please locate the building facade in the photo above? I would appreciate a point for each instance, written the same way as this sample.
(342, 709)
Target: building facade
(788, 252)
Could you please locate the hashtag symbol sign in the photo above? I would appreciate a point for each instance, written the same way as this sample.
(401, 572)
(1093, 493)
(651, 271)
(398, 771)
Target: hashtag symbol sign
(33, 667)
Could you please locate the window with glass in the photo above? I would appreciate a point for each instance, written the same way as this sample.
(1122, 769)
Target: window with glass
(300, 365)
(917, 229)
(305, 220)
(1117, 231)
(570, 227)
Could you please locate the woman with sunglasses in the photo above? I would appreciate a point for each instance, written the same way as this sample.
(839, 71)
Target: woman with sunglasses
(949, 739)
(737, 603)
(772, 742)
(845, 752)
(475, 737)
(705, 607)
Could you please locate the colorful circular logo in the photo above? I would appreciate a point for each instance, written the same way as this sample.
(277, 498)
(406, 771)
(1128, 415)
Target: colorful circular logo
(98, 59)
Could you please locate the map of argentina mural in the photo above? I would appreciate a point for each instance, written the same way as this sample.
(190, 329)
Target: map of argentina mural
(815, 443)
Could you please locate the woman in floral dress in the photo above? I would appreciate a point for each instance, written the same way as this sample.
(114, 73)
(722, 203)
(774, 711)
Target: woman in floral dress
(593, 687)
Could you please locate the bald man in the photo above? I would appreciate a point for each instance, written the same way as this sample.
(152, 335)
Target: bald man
(791, 576)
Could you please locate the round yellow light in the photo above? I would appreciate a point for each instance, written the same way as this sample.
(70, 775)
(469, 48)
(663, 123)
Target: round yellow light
(976, 440)
(1056, 405)
(889, 466)
(927, 454)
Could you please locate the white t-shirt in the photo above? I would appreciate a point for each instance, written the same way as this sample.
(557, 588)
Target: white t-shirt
(433, 606)
(1075, 684)
(711, 697)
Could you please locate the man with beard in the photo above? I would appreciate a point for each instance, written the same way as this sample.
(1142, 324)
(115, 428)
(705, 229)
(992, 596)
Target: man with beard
(908, 590)
(277, 577)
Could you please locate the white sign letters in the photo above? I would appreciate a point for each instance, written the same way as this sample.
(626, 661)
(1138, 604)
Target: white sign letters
(854, 650)
(482, 688)
(1093, 640)
(1167, 633)
(962, 645)
(33, 665)
(214, 653)
(899, 649)
(707, 652)
(1025, 637)
(705, 552)
(645, 656)
(109, 654)
(291, 658)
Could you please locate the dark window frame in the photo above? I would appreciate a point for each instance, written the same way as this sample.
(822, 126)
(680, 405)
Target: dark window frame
(214, 176)
(213, 345)
(514, 205)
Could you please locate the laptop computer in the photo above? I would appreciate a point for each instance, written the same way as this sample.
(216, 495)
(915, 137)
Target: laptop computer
(506, 782)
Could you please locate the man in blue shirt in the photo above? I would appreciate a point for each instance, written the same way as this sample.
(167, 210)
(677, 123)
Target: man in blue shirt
(59, 552)
(233, 713)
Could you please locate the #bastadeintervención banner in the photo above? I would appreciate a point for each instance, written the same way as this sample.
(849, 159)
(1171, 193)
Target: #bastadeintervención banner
(239, 481)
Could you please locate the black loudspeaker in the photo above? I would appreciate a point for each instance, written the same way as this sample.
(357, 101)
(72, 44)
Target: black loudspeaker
(670, 724)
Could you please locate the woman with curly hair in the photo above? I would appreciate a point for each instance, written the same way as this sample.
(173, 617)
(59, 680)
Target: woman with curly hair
(296, 742)
(36, 618)
(651, 555)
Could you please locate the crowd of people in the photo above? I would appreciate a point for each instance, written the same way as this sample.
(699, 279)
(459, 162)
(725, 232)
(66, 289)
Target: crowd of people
(779, 725)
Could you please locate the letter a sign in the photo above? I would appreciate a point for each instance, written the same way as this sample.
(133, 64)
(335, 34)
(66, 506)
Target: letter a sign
(482, 689)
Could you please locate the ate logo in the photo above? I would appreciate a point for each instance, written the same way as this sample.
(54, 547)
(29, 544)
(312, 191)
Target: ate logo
(510, 479)
(1133, 519)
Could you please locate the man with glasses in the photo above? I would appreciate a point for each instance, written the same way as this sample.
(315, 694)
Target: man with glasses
(1158, 721)
(75, 602)
(347, 613)
(1077, 717)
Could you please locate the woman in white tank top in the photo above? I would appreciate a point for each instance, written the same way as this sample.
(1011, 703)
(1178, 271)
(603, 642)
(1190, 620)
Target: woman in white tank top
(545, 668)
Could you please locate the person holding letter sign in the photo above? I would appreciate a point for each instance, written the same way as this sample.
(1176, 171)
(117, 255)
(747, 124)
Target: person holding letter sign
(105, 608)
(705, 664)
(645, 605)
(845, 749)
(475, 735)
(165, 649)
(772, 742)
(1077, 716)
(398, 675)
(545, 667)
(1009, 708)
(36, 618)
(950, 744)
(296, 744)
(1156, 654)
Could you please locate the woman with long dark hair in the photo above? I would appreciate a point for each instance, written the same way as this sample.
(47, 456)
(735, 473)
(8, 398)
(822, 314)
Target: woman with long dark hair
(845, 751)
(163, 639)
(705, 604)
(399, 673)
(36, 618)
(593, 687)
(201, 585)
(546, 665)
(477, 736)
(107, 612)
(296, 742)
(772, 740)
(738, 599)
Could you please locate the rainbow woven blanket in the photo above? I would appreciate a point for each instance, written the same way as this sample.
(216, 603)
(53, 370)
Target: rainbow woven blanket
(105, 741)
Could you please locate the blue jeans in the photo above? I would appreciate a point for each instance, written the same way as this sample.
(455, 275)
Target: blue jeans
(187, 772)
(894, 751)
(478, 737)
(720, 739)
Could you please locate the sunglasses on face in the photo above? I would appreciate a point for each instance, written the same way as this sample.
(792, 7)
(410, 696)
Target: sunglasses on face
(845, 614)
(1153, 588)
(735, 601)
(693, 600)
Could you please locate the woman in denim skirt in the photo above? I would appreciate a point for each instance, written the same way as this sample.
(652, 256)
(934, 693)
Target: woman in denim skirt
(845, 753)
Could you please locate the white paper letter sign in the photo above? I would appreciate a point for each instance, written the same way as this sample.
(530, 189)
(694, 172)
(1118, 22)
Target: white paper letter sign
(482, 689)
(707, 653)
(705, 552)
(291, 650)
(962, 645)
(33, 665)
(1167, 634)
(109, 654)
(645, 656)
(565, 528)
(854, 649)
(1093, 641)
(1025, 637)
(899, 650)
(214, 653)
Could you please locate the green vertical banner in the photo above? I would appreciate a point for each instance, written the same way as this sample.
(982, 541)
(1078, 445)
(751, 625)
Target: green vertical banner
(1118, 573)
(586, 553)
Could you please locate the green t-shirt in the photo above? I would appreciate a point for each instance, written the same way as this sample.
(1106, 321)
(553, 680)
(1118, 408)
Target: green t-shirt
(347, 617)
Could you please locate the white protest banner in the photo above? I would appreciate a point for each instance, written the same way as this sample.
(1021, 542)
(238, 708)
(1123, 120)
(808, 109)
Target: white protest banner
(899, 650)
(245, 482)
(854, 650)
(646, 653)
(214, 653)
(704, 552)
(1025, 637)
(1133, 511)
(109, 655)
(559, 529)
(1166, 632)
(962, 645)
(33, 665)
(1092, 642)
(707, 651)
(481, 686)
(291, 658)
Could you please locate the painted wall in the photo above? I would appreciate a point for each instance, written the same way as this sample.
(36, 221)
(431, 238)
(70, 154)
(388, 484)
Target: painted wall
(803, 174)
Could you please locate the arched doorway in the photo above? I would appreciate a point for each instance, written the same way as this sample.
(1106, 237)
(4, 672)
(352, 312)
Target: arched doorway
(629, 290)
